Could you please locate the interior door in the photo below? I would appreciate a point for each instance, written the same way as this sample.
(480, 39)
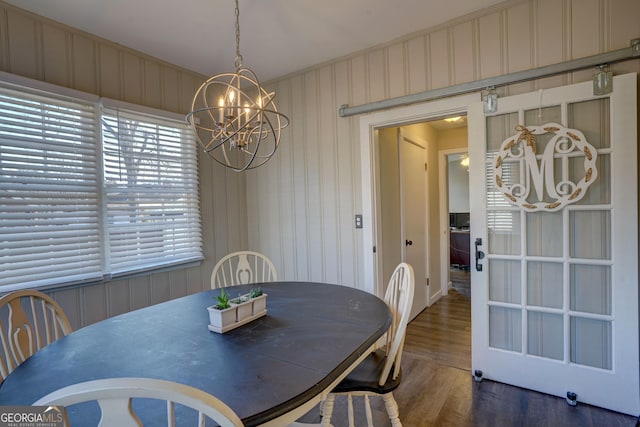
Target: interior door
(413, 185)
(554, 196)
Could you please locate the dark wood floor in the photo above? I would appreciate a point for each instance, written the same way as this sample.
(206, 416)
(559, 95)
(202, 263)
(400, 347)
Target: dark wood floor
(438, 390)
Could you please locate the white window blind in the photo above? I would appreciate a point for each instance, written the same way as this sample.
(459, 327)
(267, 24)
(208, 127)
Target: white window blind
(500, 211)
(151, 190)
(49, 190)
(90, 192)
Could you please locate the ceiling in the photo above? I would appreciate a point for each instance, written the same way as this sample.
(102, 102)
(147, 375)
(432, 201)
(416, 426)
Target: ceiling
(452, 122)
(277, 37)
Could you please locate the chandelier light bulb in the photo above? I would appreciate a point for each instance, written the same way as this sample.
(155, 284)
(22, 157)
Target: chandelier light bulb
(221, 110)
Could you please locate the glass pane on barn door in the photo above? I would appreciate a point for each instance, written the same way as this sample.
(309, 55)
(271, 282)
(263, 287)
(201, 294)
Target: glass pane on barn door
(504, 232)
(592, 118)
(540, 116)
(504, 281)
(590, 289)
(590, 234)
(545, 337)
(505, 328)
(544, 234)
(591, 342)
(544, 284)
(599, 192)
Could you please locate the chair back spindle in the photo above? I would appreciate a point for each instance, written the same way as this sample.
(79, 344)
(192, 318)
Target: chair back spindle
(241, 268)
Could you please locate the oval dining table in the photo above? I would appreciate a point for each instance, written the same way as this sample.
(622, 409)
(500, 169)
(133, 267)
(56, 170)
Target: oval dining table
(269, 371)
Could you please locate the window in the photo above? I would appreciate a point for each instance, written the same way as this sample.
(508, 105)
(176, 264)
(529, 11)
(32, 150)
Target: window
(89, 192)
(151, 191)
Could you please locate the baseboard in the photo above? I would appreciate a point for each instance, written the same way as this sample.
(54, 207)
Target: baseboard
(434, 299)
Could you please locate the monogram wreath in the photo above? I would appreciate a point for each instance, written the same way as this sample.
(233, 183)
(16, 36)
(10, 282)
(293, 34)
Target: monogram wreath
(539, 168)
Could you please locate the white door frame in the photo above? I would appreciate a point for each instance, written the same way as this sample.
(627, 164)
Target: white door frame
(443, 180)
(368, 124)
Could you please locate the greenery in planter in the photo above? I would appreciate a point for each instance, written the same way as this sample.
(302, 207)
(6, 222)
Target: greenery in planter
(255, 293)
(223, 300)
(239, 300)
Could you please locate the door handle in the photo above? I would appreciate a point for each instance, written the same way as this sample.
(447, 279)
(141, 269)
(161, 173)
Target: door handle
(408, 242)
(479, 254)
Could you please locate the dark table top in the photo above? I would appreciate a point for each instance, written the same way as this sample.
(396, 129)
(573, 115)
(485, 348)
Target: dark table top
(312, 332)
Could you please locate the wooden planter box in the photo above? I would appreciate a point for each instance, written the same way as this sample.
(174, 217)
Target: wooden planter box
(242, 311)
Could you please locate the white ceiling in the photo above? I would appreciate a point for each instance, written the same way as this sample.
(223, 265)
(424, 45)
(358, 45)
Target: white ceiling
(277, 37)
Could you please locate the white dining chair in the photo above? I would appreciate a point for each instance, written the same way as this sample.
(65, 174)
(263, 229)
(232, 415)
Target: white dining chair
(115, 399)
(379, 374)
(114, 396)
(241, 268)
(32, 320)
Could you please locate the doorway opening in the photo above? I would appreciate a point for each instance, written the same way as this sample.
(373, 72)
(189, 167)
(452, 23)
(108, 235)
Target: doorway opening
(431, 188)
(437, 140)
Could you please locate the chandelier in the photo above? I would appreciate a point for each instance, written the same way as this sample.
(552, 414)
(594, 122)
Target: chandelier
(234, 118)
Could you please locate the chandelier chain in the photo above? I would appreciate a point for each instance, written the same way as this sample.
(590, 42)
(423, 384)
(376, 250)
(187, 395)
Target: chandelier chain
(238, 62)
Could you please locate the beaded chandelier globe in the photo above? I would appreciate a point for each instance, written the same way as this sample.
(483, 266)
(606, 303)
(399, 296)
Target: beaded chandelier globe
(234, 118)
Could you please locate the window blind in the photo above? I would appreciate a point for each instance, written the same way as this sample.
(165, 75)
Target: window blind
(49, 190)
(500, 212)
(151, 190)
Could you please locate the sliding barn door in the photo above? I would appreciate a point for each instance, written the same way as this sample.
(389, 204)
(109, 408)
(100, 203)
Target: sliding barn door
(555, 298)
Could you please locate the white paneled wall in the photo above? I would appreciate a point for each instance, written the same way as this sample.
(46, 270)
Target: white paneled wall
(299, 208)
(302, 204)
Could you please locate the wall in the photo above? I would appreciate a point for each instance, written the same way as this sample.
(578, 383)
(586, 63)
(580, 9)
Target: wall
(458, 186)
(305, 219)
(450, 139)
(458, 175)
(41, 49)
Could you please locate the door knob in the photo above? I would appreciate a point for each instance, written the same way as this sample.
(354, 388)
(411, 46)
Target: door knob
(479, 254)
(408, 242)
